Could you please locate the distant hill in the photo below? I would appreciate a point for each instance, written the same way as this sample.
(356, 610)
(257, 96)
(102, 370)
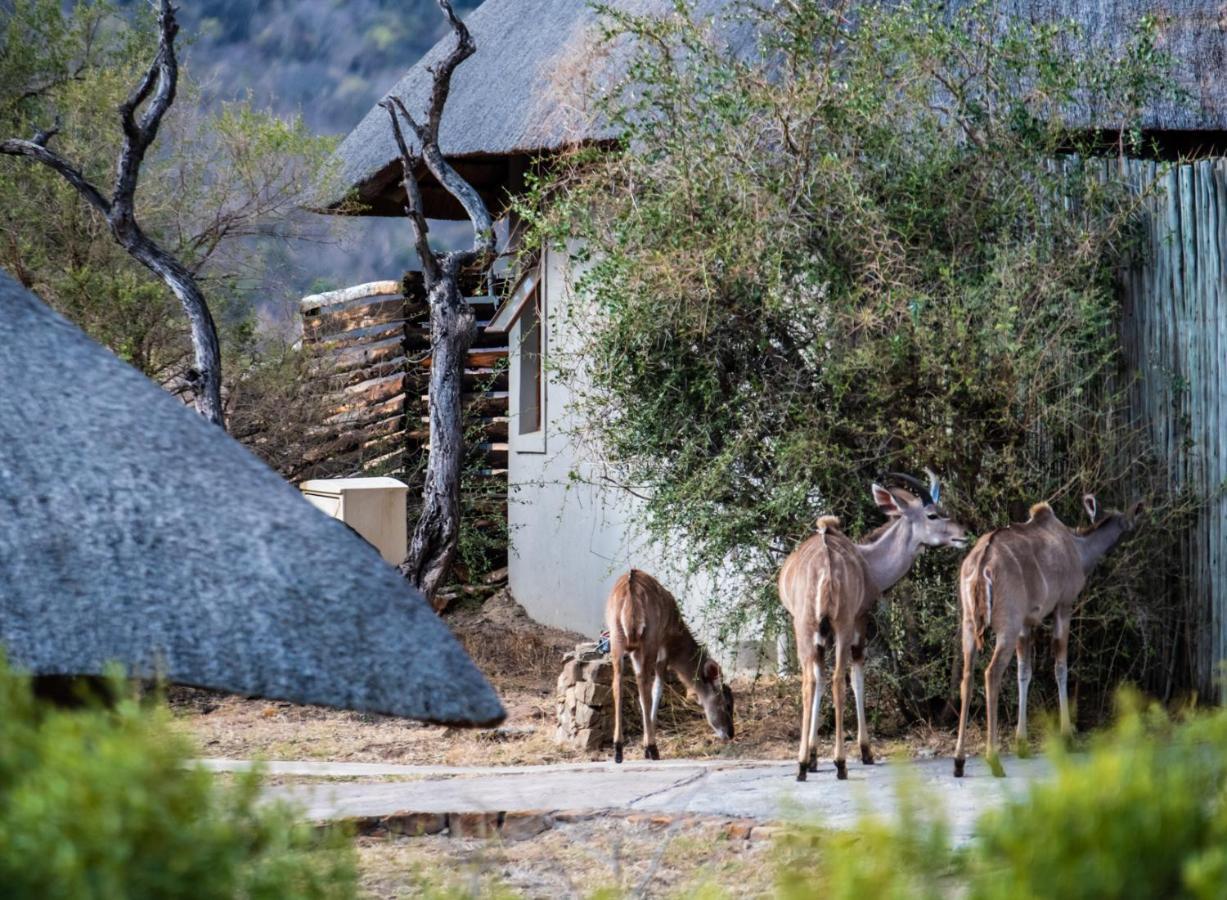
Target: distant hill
(330, 61)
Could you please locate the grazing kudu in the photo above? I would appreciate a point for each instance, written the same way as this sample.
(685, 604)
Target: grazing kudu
(1012, 580)
(830, 585)
(644, 621)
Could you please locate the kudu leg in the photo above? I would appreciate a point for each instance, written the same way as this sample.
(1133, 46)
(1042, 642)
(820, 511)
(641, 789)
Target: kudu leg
(858, 693)
(1060, 653)
(837, 697)
(642, 674)
(969, 666)
(816, 709)
(1026, 654)
(807, 712)
(992, 694)
(615, 652)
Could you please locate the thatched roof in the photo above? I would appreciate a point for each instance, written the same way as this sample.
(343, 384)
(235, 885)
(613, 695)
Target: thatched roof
(518, 96)
(133, 531)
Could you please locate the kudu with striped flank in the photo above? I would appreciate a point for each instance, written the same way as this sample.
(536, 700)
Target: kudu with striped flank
(643, 620)
(1011, 581)
(830, 586)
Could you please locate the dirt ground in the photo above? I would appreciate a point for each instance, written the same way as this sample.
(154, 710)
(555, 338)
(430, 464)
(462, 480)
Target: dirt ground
(611, 856)
(522, 660)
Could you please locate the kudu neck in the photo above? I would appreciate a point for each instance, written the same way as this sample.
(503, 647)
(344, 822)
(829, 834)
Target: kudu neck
(890, 554)
(1095, 544)
(686, 657)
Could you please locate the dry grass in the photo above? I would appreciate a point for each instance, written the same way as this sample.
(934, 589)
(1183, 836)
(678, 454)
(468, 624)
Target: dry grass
(522, 660)
(575, 860)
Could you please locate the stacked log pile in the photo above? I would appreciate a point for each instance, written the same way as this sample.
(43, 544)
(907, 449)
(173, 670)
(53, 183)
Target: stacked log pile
(358, 335)
(372, 343)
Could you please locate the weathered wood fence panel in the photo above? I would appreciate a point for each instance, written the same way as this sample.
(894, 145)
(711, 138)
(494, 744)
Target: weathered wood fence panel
(1174, 335)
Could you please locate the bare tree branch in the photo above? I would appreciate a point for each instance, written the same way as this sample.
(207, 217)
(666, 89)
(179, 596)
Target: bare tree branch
(36, 149)
(413, 193)
(160, 81)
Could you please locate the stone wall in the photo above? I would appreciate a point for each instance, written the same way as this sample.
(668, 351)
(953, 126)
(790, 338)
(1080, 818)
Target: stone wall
(585, 699)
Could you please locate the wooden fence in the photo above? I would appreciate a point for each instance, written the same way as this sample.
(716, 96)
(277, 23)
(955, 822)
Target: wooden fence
(1174, 333)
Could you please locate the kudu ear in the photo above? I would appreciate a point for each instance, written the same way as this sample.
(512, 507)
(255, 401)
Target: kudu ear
(1136, 510)
(887, 502)
(711, 671)
(1091, 505)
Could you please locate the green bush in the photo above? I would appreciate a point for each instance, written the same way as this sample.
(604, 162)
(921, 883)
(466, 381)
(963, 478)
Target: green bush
(100, 803)
(1142, 814)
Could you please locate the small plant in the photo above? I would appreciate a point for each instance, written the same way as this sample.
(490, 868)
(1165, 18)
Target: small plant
(1142, 814)
(102, 803)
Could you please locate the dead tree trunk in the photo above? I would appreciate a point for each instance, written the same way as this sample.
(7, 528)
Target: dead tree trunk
(432, 549)
(158, 87)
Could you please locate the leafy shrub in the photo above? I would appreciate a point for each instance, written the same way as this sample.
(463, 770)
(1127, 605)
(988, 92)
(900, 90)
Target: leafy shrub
(1142, 814)
(101, 803)
(847, 251)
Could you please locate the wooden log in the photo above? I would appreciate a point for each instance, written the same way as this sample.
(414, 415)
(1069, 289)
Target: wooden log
(314, 302)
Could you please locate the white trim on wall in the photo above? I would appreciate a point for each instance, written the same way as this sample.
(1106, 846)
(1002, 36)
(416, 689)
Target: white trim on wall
(534, 296)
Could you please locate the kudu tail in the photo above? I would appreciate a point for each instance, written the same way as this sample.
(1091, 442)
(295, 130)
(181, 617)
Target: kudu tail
(982, 604)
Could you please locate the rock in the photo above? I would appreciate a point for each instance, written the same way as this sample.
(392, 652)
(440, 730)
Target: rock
(589, 739)
(739, 830)
(571, 672)
(520, 826)
(600, 671)
(414, 824)
(593, 694)
(585, 716)
(473, 824)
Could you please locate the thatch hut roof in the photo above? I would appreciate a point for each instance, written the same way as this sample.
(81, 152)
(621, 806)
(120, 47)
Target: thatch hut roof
(518, 97)
(133, 531)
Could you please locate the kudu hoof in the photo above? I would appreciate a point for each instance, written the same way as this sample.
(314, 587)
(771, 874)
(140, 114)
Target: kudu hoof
(618, 752)
(958, 768)
(650, 752)
(801, 770)
(995, 766)
(866, 756)
(813, 761)
(841, 770)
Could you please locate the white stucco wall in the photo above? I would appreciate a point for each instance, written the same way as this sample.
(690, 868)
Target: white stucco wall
(571, 538)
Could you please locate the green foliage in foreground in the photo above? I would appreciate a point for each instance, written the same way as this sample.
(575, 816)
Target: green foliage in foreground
(874, 244)
(100, 804)
(1142, 814)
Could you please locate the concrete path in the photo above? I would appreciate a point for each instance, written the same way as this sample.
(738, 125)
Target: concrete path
(759, 790)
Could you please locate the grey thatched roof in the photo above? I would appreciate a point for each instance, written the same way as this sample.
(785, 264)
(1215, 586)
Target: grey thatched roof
(133, 531)
(517, 96)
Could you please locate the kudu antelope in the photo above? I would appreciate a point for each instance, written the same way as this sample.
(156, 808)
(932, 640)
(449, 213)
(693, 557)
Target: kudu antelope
(1011, 580)
(644, 621)
(830, 585)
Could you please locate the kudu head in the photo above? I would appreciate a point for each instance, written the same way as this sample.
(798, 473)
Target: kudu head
(1112, 523)
(716, 698)
(919, 511)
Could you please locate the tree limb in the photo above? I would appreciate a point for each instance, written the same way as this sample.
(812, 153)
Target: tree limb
(413, 193)
(161, 79)
(36, 149)
(158, 86)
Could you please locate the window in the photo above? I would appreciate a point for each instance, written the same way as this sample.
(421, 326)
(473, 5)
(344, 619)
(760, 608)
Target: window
(528, 399)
